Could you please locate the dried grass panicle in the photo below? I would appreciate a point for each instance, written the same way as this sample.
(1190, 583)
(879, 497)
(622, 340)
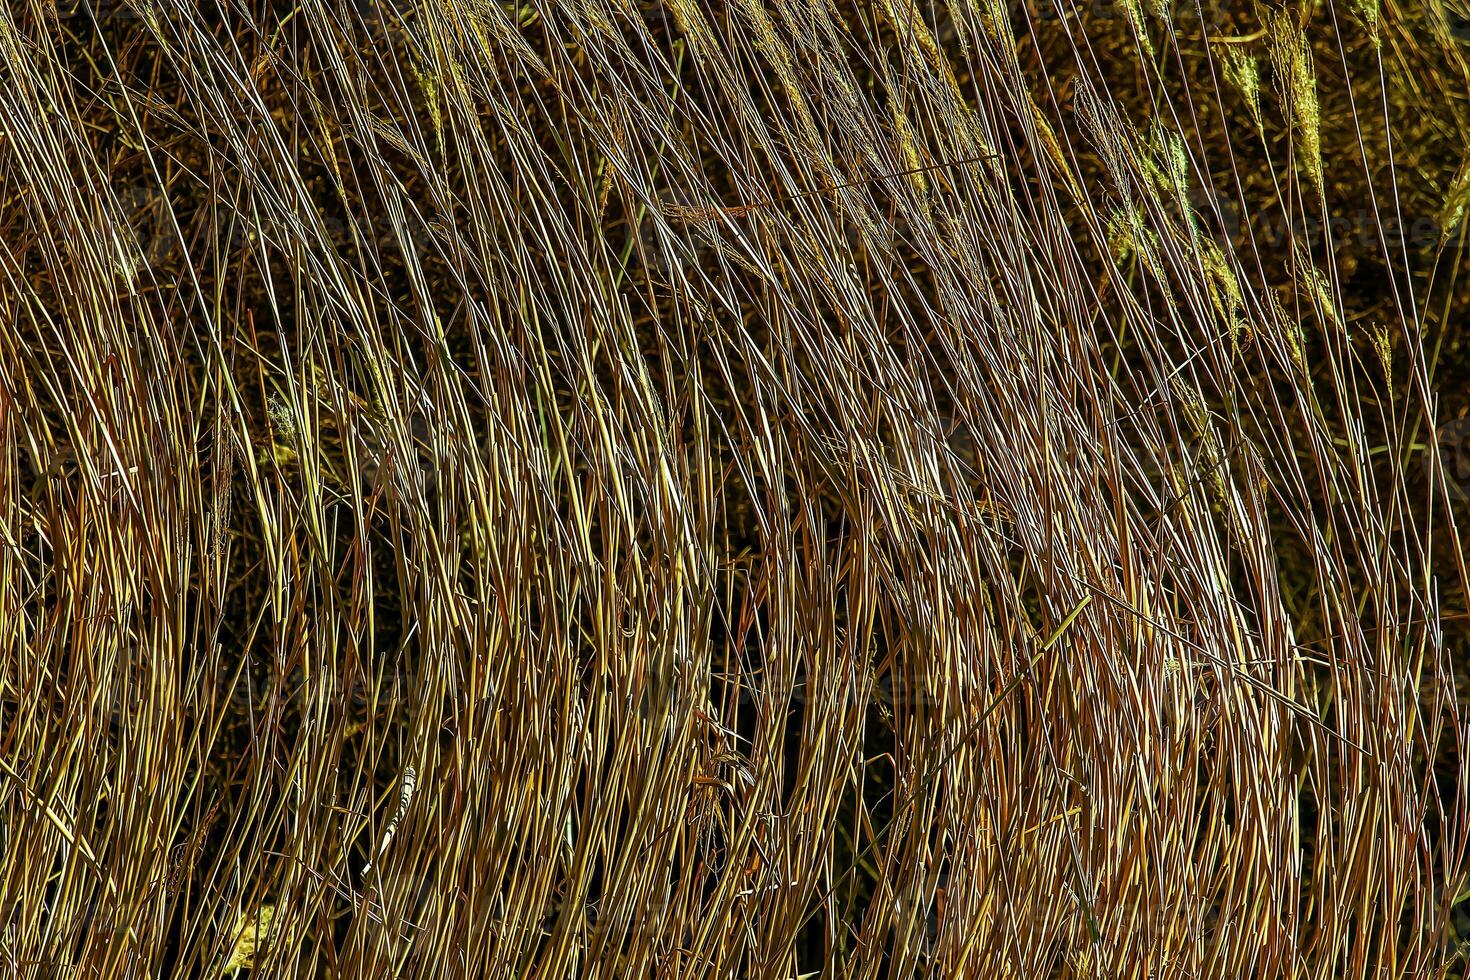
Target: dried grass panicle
(581, 488)
(1296, 80)
(1243, 71)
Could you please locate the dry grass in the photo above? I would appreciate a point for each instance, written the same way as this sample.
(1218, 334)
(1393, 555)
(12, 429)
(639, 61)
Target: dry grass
(596, 488)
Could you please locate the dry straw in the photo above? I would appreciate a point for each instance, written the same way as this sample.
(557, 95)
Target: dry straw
(583, 488)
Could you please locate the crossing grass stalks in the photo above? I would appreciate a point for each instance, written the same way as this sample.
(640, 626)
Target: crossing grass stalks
(616, 488)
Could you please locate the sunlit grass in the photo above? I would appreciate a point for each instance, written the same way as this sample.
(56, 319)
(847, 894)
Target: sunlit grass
(767, 489)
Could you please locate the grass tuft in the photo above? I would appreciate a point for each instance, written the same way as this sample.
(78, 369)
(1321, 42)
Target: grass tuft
(584, 488)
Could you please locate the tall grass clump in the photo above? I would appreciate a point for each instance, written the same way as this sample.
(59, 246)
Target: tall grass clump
(770, 489)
